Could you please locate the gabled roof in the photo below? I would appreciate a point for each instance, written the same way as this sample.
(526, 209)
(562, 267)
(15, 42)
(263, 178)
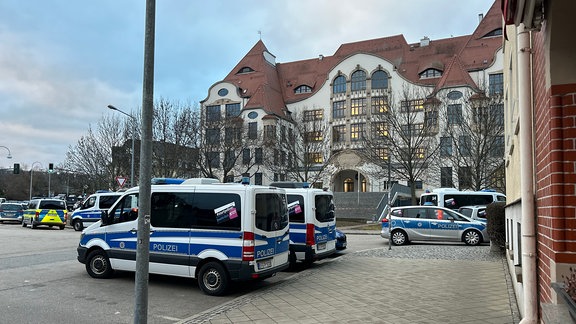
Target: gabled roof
(271, 85)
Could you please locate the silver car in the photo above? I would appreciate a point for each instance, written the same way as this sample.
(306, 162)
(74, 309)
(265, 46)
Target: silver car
(431, 223)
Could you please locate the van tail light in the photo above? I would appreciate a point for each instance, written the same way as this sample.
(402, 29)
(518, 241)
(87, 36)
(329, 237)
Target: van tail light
(384, 220)
(310, 235)
(37, 215)
(248, 247)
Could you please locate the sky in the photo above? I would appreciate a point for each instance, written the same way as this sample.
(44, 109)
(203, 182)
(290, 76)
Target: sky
(63, 61)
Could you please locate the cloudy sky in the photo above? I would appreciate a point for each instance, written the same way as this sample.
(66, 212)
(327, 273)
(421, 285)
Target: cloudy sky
(63, 61)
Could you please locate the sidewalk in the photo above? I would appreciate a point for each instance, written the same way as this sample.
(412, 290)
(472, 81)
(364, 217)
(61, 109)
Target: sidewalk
(364, 288)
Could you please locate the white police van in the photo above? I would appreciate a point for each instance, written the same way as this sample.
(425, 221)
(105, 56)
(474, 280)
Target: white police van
(216, 233)
(312, 221)
(91, 209)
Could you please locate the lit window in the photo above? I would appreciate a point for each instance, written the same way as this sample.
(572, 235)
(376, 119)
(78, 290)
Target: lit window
(379, 105)
(358, 106)
(311, 115)
(379, 130)
(356, 132)
(412, 105)
(382, 153)
(315, 157)
(314, 136)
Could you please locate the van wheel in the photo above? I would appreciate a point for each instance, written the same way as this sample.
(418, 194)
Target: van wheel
(98, 265)
(77, 224)
(471, 237)
(32, 225)
(62, 227)
(213, 279)
(399, 237)
(24, 223)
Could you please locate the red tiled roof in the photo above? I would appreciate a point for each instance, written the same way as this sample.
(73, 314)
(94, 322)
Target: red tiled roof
(271, 87)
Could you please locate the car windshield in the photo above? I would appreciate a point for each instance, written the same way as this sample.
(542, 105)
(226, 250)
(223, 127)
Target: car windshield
(52, 204)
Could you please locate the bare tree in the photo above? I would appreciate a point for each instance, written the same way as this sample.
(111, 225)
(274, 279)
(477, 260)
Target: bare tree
(402, 136)
(473, 141)
(92, 154)
(222, 150)
(299, 151)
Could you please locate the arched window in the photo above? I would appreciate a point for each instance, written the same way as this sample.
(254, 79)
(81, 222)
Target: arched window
(380, 80)
(430, 73)
(358, 81)
(494, 33)
(245, 69)
(339, 85)
(303, 89)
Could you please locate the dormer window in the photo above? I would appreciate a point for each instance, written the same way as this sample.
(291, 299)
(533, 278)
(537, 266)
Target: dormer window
(245, 69)
(430, 74)
(496, 32)
(303, 89)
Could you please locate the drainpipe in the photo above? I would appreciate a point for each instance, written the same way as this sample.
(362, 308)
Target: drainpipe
(529, 277)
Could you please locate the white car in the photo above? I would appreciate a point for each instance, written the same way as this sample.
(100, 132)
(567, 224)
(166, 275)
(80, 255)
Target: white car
(431, 223)
(475, 212)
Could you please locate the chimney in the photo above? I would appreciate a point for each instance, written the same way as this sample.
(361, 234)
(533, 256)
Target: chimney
(425, 41)
(480, 17)
(320, 57)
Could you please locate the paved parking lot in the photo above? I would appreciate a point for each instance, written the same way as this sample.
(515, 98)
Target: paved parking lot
(418, 283)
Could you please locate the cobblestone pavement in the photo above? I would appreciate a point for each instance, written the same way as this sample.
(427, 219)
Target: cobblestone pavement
(418, 283)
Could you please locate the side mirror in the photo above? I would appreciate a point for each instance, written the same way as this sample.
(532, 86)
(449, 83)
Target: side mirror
(104, 217)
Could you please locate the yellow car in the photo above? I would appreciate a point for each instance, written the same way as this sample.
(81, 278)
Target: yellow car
(49, 212)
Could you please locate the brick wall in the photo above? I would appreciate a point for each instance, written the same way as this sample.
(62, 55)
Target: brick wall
(555, 158)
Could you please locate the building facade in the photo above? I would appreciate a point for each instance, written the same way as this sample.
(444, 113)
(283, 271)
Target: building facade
(540, 110)
(326, 120)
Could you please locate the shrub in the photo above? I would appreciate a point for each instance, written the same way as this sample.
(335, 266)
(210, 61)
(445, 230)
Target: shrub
(570, 284)
(496, 224)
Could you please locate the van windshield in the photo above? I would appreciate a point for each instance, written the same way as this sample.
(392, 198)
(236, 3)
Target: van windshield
(271, 211)
(324, 208)
(52, 204)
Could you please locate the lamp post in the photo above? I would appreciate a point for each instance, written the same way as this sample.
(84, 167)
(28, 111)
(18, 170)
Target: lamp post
(133, 131)
(9, 156)
(31, 174)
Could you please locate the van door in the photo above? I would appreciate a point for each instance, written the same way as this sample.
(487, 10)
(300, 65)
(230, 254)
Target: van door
(272, 242)
(170, 233)
(121, 233)
(324, 224)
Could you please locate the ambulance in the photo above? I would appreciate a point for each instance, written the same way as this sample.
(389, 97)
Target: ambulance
(217, 233)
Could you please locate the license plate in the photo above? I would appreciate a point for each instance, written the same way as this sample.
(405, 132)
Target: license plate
(321, 246)
(264, 264)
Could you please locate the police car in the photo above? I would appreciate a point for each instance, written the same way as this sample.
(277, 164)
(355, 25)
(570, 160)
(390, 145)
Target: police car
(48, 212)
(91, 209)
(431, 223)
(216, 233)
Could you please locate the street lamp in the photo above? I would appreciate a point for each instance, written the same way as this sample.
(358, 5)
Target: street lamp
(31, 174)
(9, 156)
(133, 131)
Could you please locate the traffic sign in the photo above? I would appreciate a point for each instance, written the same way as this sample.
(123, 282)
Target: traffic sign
(121, 181)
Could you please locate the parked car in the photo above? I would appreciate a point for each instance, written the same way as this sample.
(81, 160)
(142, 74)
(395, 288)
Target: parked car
(11, 212)
(475, 212)
(340, 240)
(431, 223)
(49, 212)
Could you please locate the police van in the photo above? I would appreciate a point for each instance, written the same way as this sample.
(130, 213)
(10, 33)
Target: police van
(91, 209)
(216, 233)
(312, 221)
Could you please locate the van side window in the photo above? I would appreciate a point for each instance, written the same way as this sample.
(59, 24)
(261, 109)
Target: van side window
(126, 210)
(271, 212)
(324, 208)
(296, 208)
(221, 211)
(89, 203)
(107, 201)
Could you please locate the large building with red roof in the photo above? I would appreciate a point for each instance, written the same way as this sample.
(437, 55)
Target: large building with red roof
(346, 92)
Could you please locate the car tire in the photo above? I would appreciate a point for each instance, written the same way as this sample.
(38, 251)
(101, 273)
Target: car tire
(24, 223)
(98, 265)
(62, 227)
(472, 237)
(399, 237)
(32, 225)
(213, 279)
(77, 224)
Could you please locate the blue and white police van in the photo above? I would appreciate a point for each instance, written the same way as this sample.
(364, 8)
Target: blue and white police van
(312, 221)
(91, 209)
(216, 233)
